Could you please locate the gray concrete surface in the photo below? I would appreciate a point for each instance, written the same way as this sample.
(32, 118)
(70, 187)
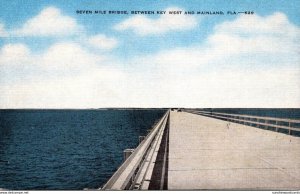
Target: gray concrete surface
(206, 153)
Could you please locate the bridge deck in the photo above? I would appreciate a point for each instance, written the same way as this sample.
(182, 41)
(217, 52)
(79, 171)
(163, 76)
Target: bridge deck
(206, 153)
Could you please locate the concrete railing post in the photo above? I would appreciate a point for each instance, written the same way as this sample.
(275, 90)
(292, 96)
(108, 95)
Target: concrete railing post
(127, 153)
(141, 138)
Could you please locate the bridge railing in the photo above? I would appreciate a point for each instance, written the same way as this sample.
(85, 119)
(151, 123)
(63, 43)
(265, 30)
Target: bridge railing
(256, 121)
(127, 174)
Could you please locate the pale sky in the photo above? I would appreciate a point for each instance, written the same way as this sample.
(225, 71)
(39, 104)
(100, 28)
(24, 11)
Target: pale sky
(52, 57)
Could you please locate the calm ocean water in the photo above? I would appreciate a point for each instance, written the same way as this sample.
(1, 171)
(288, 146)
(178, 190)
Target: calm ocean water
(76, 149)
(66, 149)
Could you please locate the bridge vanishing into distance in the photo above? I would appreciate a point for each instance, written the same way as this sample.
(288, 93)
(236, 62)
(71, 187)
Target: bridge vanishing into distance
(200, 150)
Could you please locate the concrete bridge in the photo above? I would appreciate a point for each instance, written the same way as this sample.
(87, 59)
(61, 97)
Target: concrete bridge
(198, 150)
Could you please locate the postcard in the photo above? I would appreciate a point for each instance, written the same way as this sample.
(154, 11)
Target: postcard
(149, 95)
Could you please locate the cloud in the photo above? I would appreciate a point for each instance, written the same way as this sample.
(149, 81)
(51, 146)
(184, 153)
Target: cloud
(14, 60)
(112, 88)
(3, 32)
(59, 56)
(64, 75)
(238, 88)
(274, 25)
(96, 88)
(14, 54)
(101, 41)
(49, 22)
(240, 43)
(144, 26)
(68, 56)
(62, 59)
(269, 34)
(234, 67)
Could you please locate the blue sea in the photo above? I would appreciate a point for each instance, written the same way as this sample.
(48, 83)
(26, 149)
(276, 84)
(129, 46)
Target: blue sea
(67, 149)
(77, 149)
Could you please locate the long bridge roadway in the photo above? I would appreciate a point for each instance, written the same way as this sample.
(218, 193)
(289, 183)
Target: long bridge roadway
(191, 151)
